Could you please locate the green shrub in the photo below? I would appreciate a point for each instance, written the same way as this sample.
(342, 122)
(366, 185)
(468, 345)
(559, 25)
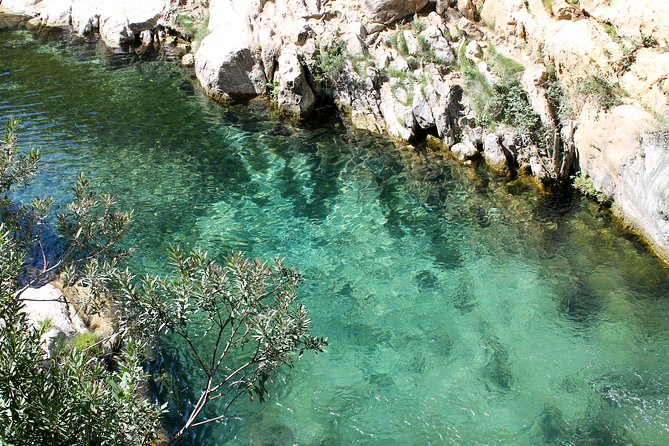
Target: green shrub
(330, 62)
(272, 90)
(84, 341)
(509, 104)
(558, 97)
(611, 31)
(584, 184)
(648, 41)
(399, 42)
(200, 32)
(501, 65)
(418, 25)
(605, 93)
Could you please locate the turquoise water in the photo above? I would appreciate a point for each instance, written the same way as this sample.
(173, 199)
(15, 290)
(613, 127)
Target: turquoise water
(462, 309)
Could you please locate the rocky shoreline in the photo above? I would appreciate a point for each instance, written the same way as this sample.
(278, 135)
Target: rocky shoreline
(551, 89)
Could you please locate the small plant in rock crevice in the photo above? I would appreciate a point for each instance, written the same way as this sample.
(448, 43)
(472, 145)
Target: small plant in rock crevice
(603, 92)
(329, 63)
(418, 25)
(584, 184)
(558, 96)
(509, 105)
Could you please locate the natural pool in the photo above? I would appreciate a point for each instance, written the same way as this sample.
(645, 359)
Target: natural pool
(462, 309)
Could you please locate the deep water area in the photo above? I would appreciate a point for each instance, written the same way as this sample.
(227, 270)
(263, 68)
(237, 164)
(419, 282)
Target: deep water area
(461, 308)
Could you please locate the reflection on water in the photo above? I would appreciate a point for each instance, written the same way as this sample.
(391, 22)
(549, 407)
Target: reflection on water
(461, 308)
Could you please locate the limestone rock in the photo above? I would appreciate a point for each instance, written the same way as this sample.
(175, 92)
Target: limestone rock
(562, 10)
(648, 80)
(398, 116)
(465, 150)
(627, 158)
(53, 13)
(294, 97)
(534, 83)
(493, 153)
(473, 50)
(632, 19)
(441, 6)
(85, 16)
(47, 305)
(21, 7)
(122, 21)
(227, 69)
(470, 28)
(188, 60)
(467, 8)
(387, 11)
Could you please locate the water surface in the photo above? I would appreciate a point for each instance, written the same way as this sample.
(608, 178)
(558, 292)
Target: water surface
(462, 309)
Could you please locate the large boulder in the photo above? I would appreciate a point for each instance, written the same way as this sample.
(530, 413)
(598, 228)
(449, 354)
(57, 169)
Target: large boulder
(295, 97)
(387, 11)
(493, 153)
(228, 63)
(85, 16)
(397, 111)
(53, 13)
(20, 6)
(226, 68)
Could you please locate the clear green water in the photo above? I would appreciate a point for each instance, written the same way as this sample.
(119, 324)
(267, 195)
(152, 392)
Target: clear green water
(461, 309)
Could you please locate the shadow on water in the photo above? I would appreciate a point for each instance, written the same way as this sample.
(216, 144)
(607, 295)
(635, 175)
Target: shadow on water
(581, 305)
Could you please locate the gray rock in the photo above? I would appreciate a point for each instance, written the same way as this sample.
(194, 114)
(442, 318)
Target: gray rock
(465, 150)
(473, 50)
(467, 8)
(399, 118)
(47, 305)
(534, 83)
(122, 20)
(441, 6)
(295, 97)
(387, 11)
(227, 69)
(188, 60)
(493, 153)
(422, 109)
(85, 16)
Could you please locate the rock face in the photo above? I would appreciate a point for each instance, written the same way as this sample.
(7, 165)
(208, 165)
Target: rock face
(388, 11)
(627, 158)
(294, 96)
(493, 153)
(122, 21)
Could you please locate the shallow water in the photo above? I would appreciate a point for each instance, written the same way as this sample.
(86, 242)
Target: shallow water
(462, 309)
